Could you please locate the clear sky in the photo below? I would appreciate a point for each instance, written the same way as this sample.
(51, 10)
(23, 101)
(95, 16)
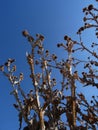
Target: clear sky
(52, 18)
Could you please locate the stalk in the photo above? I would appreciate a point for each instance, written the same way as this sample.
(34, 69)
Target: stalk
(73, 88)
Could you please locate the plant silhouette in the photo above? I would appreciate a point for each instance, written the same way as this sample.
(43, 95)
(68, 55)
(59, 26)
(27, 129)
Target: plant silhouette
(49, 100)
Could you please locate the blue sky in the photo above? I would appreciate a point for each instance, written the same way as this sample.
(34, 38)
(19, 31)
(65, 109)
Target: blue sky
(52, 18)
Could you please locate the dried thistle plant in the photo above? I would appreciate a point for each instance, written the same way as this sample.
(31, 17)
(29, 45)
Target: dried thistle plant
(48, 101)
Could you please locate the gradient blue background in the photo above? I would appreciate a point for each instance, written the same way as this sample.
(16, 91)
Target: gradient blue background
(52, 18)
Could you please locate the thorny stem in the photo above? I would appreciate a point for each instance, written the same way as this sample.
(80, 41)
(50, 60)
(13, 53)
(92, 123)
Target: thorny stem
(40, 111)
(22, 92)
(72, 83)
(15, 93)
(41, 118)
(32, 74)
(73, 87)
(20, 104)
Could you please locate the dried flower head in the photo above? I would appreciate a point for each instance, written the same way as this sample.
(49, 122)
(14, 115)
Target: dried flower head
(2, 68)
(11, 60)
(41, 37)
(58, 45)
(90, 7)
(84, 19)
(25, 33)
(97, 34)
(84, 9)
(67, 38)
(54, 57)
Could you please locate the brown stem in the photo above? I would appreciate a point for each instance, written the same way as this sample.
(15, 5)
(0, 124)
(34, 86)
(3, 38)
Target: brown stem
(41, 120)
(72, 83)
(73, 102)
